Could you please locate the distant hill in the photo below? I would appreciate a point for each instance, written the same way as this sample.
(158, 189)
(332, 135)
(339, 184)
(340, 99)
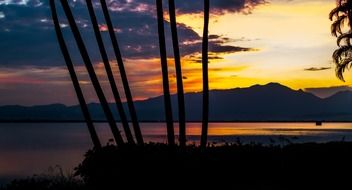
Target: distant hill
(271, 102)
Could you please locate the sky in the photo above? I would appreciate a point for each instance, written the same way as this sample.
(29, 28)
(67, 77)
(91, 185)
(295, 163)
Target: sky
(251, 42)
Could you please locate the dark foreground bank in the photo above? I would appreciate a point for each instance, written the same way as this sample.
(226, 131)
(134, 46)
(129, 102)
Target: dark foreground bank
(235, 166)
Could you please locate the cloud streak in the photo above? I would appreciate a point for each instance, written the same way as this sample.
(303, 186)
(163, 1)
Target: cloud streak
(46, 85)
(219, 7)
(317, 68)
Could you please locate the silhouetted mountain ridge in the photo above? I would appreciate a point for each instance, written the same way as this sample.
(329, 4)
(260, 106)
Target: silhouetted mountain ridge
(270, 102)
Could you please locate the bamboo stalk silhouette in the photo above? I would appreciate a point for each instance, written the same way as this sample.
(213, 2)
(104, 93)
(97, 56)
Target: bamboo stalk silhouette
(70, 67)
(109, 73)
(205, 115)
(131, 107)
(180, 92)
(99, 91)
(165, 77)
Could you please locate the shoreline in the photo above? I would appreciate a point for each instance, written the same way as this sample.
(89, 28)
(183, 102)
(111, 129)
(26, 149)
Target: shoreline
(148, 121)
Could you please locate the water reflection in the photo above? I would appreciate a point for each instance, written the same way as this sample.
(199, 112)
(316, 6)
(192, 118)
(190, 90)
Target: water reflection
(29, 148)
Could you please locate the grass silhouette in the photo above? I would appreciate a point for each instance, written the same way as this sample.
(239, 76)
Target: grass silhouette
(231, 166)
(54, 179)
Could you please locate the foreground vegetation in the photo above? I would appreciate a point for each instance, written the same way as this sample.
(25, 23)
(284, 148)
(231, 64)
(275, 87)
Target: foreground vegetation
(53, 179)
(233, 166)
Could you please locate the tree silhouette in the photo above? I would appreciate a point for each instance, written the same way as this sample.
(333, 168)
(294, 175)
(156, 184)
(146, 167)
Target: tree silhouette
(342, 18)
(165, 75)
(132, 110)
(99, 91)
(109, 73)
(180, 92)
(205, 115)
(70, 67)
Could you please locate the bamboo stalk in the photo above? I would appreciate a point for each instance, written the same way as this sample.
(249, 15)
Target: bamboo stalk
(74, 79)
(131, 107)
(109, 72)
(180, 91)
(99, 91)
(205, 115)
(165, 76)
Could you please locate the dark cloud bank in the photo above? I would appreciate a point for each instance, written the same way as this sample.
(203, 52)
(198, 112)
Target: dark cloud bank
(27, 36)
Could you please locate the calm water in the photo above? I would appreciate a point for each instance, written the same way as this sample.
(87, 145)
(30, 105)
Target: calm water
(31, 148)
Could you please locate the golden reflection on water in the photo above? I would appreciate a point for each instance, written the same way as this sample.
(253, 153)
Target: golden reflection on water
(253, 129)
(31, 148)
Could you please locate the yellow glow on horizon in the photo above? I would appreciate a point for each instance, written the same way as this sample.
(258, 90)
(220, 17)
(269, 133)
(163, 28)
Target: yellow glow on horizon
(290, 36)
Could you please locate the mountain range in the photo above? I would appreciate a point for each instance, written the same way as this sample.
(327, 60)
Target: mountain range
(270, 102)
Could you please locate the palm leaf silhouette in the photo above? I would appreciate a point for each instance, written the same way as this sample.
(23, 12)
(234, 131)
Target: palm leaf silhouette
(342, 17)
(346, 36)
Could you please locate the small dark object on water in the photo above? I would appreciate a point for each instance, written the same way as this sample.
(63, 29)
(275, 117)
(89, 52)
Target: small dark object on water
(318, 123)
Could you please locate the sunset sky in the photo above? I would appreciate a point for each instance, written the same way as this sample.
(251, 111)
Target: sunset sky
(251, 42)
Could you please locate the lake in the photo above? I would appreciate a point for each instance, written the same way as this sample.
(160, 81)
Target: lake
(31, 148)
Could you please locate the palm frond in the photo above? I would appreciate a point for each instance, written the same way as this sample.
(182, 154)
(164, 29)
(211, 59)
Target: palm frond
(341, 8)
(341, 53)
(346, 36)
(334, 13)
(342, 17)
(336, 26)
(342, 66)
